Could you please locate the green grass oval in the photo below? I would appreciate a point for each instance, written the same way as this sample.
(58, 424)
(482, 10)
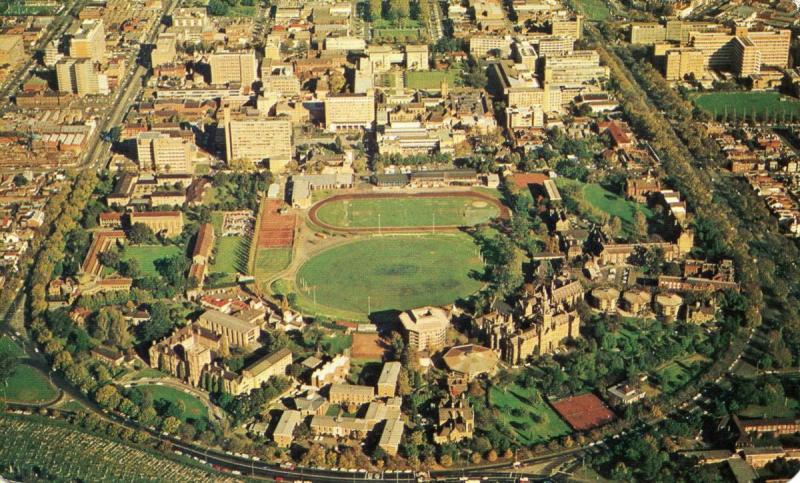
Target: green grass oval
(392, 273)
(407, 212)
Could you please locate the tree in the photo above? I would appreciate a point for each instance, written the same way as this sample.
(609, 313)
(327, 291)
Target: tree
(375, 10)
(119, 333)
(20, 180)
(615, 226)
(141, 234)
(62, 360)
(639, 225)
(218, 8)
(108, 396)
(8, 364)
(171, 424)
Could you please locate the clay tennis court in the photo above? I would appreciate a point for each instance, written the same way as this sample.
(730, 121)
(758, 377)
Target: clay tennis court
(276, 229)
(583, 412)
(367, 346)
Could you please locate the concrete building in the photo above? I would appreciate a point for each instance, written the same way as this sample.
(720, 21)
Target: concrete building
(256, 139)
(683, 61)
(333, 371)
(746, 57)
(425, 328)
(167, 223)
(165, 49)
(350, 394)
(391, 436)
(349, 111)
(647, 33)
(259, 372)
(79, 76)
(89, 42)
(471, 360)
(481, 46)
(573, 70)
(567, 27)
(238, 67)
(416, 57)
(164, 153)
(279, 79)
(237, 331)
(387, 382)
(284, 431)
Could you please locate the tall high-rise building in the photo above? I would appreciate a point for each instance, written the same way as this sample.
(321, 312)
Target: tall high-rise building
(79, 76)
(256, 139)
(52, 54)
(349, 111)
(746, 57)
(89, 42)
(682, 61)
(164, 153)
(165, 49)
(774, 46)
(233, 67)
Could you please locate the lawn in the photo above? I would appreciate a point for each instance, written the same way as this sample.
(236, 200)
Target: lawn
(271, 260)
(392, 273)
(740, 105)
(608, 202)
(146, 256)
(217, 218)
(431, 79)
(595, 10)
(27, 385)
(519, 410)
(678, 373)
(231, 256)
(336, 343)
(8, 345)
(406, 212)
(782, 408)
(194, 408)
(397, 34)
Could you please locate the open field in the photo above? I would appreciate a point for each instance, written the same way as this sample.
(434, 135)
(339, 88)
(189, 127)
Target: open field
(27, 385)
(336, 343)
(146, 256)
(71, 455)
(533, 421)
(782, 408)
(231, 256)
(746, 105)
(271, 260)
(368, 212)
(608, 202)
(595, 10)
(8, 345)
(194, 408)
(392, 273)
(431, 79)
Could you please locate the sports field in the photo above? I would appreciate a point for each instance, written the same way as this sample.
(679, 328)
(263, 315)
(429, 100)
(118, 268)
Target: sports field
(745, 105)
(146, 256)
(271, 260)
(27, 385)
(194, 409)
(595, 10)
(389, 212)
(533, 421)
(388, 273)
(231, 256)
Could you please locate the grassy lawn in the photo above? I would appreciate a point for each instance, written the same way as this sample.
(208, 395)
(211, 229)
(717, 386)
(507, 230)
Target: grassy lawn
(216, 222)
(146, 255)
(147, 372)
(608, 202)
(27, 385)
(231, 255)
(9, 346)
(518, 410)
(432, 79)
(741, 105)
(336, 343)
(194, 408)
(673, 376)
(788, 408)
(397, 34)
(392, 273)
(271, 260)
(595, 10)
(406, 211)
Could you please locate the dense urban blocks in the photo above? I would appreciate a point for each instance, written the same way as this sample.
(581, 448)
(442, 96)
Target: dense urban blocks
(390, 211)
(392, 273)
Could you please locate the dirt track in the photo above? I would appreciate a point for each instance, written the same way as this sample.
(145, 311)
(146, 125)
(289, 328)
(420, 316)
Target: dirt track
(312, 214)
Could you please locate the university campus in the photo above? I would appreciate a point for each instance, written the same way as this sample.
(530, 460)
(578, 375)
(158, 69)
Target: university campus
(399, 240)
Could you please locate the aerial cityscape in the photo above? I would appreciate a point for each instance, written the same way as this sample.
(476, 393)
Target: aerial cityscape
(399, 240)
